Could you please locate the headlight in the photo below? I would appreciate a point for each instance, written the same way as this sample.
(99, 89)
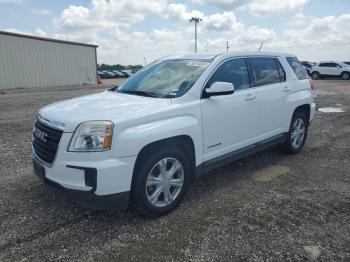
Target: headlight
(92, 136)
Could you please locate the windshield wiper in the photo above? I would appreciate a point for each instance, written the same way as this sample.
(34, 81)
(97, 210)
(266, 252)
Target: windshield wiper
(138, 92)
(113, 88)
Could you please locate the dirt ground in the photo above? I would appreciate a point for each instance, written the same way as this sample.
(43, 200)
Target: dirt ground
(266, 207)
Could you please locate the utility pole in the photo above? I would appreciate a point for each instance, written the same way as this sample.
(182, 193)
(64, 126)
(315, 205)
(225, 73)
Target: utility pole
(144, 58)
(227, 47)
(196, 20)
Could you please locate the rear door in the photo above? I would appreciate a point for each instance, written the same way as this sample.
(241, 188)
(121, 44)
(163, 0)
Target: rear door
(334, 69)
(272, 89)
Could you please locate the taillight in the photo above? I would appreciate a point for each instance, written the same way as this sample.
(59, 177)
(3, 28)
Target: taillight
(311, 84)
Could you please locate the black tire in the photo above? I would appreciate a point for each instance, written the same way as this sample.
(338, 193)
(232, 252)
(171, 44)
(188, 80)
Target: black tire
(144, 165)
(345, 75)
(315, 75)
(288, 145)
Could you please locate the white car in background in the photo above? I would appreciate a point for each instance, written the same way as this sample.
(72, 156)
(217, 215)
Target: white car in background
(144, 141)
(330, 69)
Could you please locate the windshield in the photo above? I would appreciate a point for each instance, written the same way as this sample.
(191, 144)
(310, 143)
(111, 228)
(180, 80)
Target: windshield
(166, 79)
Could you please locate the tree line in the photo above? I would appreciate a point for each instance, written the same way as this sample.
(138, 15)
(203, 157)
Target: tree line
(118, 67)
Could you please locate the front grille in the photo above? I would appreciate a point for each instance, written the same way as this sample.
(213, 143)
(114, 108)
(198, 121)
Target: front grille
(45, 142)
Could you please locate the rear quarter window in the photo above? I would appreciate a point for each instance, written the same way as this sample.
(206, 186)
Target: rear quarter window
(297, 67)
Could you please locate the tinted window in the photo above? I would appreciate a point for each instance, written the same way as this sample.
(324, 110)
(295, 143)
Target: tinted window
(298, 69)
(328, 65)
(234, 71)
(265, 71)
(281, 71)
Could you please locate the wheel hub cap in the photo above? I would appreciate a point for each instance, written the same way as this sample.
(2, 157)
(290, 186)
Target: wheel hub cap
(298, 133)
(164, 182)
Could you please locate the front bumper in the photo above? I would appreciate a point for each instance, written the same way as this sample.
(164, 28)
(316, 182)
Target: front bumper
(96, 180)
(116, 201)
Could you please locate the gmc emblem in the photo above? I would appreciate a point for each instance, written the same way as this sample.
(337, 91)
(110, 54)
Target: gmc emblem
(40, 135)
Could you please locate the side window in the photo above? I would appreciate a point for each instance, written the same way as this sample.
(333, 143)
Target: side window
(323, 65)
(234, 71)
(298, 69)
(280, 71)
(265, 71)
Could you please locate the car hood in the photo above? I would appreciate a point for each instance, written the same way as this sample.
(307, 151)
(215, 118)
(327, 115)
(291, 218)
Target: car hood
(107, 105)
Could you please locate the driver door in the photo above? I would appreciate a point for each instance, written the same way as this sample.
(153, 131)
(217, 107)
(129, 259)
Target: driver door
(230, 121)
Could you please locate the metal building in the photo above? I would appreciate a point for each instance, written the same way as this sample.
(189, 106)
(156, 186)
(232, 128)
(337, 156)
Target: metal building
(30, 61)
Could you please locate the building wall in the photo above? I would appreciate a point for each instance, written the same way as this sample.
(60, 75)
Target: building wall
(26, 62)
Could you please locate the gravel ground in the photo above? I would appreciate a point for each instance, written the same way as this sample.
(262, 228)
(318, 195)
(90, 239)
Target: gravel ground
(269, 206)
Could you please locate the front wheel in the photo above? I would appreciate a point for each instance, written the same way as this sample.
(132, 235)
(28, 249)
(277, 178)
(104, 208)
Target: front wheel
(160, 181)
(297, 133)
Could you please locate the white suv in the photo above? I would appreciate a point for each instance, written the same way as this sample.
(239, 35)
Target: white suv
(144, 141)
(330, 69)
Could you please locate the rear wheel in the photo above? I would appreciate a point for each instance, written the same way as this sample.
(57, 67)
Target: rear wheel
(160, 181)
(297, 133)
(315, 75)
(345, 75)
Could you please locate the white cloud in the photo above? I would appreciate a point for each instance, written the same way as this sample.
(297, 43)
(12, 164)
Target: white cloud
(180, 12)
(298, 19)
(257, 7)
(103, 15)
(270, 7)
(256, 34)
(225, 21)
(111, 25)
(40, 32)
(37, 32)
(41, 12)
(223, 4)
(17, 31)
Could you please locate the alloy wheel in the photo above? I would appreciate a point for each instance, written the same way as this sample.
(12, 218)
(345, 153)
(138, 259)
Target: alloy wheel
(164, 182)
(298, 133)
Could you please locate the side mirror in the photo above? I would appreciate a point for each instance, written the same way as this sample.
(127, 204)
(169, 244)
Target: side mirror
(338, 66)
(219, 89)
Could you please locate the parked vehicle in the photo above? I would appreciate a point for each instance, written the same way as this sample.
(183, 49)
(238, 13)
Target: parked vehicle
(118, 73)
(143, 142)
(330, 69)
(102, 75)
(126, 74)
(109, 74)
(307, 65)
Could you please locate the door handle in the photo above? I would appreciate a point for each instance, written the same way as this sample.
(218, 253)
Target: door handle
(286, 89)
(249, 97)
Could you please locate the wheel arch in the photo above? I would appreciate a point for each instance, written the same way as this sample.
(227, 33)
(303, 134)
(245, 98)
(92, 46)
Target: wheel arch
(306, 108)
(185, 142)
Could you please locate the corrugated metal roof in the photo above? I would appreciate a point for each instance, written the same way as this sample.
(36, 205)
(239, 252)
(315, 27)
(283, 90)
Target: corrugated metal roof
(47, 39)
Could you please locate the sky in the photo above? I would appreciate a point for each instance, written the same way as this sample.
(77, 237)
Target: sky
(135, 31)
